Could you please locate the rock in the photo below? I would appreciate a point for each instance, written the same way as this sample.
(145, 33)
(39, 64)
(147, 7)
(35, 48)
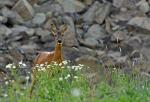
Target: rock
(70, 35)
(10, 3)
(88, 61)
(143, 6)
(24, 9)
(92, 73)
(97, 12)
(39, 19)
(16, 55)
(3, 61)
(3, 19)
(8, 13)
(119, 36)
(118, 59)
(130, 4)
(32, 2)
(29, 48)
(52, 8)
(91, 42)
(100, 53)
(88, 2)
(85, 50)
(44, 34)
(72, 6)
(30, 31)
(4, 31)
(71, 53)
(18, 29)
(95, 32)
(117, 3)
(135, 42)
(140, 22)
(146, 52)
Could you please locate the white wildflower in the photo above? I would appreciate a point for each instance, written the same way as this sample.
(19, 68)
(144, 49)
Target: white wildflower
(9, 66)
(62, 67)
(22, 64)
(76, 92)
(69, 67)
(55, 63)
(81, 65)
(5, 95)
(46, 63)
(76, 68)
(6, 82)
(68, 75)
(60, 64)
(21, 94)
(143, 87)
(65, 62)
(73, 67)
(60, 79)
(12, 81)
(41, 65)
(14, 67)
(76, 77)
(27, 77)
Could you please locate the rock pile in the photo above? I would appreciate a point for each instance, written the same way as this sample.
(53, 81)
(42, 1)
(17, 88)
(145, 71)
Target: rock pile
(115, 32)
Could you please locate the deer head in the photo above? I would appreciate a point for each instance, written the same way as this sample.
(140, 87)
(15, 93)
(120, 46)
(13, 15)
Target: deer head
(58, 33)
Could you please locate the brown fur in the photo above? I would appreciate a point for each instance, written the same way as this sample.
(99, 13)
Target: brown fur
(48, 57)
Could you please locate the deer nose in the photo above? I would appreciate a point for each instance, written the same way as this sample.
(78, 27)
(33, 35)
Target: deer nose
(59, 41)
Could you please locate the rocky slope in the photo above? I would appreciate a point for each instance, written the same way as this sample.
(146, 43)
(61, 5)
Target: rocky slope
(110, 32)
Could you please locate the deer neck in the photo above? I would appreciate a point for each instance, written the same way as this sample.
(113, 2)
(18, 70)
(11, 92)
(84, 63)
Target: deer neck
(58, 53)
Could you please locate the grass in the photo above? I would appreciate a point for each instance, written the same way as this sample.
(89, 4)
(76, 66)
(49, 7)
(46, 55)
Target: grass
(68, 84)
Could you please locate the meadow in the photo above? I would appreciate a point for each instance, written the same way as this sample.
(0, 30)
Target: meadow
(67, 83)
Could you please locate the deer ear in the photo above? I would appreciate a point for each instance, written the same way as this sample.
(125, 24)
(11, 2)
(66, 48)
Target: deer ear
(53, 30)
(63, 29)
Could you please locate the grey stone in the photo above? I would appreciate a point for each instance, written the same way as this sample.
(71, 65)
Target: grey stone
(85, 50)
(70, 35)
(71, 53)
(24, 9)
(39, 19)
(44, 34)
(29, 48)
(8, 13)
(135, 42)
(116, 56)
(97, 12)
(30, 31)
(88, 2)
(18, 29)
(4, 31)
(140, 22)
(119, 36)
(3, 3)
(3, 19)
(72, 5)
(92, 72)
(91, 42)
(143, 6)
(32, 2)
(95, 32)
(118, 3)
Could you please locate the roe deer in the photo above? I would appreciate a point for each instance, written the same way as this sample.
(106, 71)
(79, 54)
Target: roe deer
(48, 57)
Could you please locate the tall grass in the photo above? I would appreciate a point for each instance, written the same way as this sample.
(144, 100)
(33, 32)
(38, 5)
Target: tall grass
(68, 84)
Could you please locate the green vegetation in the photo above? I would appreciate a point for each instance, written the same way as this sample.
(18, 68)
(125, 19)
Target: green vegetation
(70, 85)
